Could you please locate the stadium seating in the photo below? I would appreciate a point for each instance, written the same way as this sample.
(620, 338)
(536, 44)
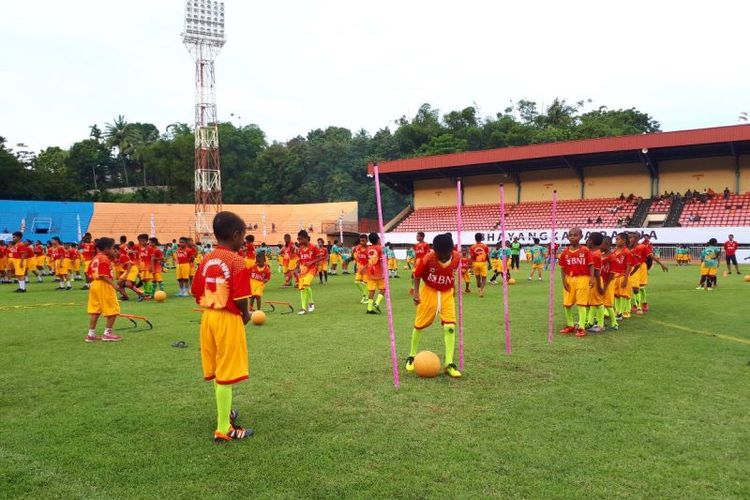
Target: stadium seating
(660, 206)
(734, 211)
(603, 212)
(41, 220)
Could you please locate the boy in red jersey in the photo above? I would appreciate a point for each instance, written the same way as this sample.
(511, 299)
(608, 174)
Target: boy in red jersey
(102, 299)
(730, 253)
(38, 259)
(182, 271)
(308, 259)
(480, 254)
(465, 268)
(323, 266)
(157, 264)
(289, 260)
(88, 252)
(221, 288)
(260, 274)
(421, 249)
(248, 251)
(608, 282)
(145, 265)
(436, 272)
(595, 319)
(643, 252)
(4, 262)
(577, 272)
(127, 279)
(20, 253)
(361, 259)
(375, 276)
(621, 265)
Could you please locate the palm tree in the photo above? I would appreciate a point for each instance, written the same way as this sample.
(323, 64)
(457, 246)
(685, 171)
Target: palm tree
(119, 135)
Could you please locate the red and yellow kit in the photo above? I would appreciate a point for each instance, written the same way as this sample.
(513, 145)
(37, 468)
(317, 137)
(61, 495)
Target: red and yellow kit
(4, 263)
(158, 259)
(102, 296)
(289, 257)
(479, 254)
(259, 276)
(184, 262)
(74, 257)
(361, 259)
(221, 279)
(39, 256)
(642, 252)
(374, 270)
(323, 253)
(248, 253)
(308, 269)
(465, 267)
(619, 260)
(20, 253)
(88, 251)
(420, 251)
(576, 264)
(607, 280)
(596, 298)
(62, 265)
(129, 268)
(436, 291)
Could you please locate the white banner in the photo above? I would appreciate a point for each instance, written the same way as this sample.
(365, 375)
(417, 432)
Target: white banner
(659, 235)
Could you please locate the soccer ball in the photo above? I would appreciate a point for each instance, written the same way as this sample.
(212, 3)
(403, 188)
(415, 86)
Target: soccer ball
(160, 296)
(747, 278)
(258, 318)
(427, 364)
(512, 281)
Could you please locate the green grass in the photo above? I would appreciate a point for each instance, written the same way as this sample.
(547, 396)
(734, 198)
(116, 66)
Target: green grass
(659, 409)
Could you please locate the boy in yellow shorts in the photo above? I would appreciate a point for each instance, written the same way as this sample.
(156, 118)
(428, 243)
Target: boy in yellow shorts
(20, 253)
(621, 263)
(466, 269)
(537, 254)
(709, 265)
(157, 264)
(102, 297)
(221, 288)
(260, 274)
(323, 266)
(128, 261)
(360, 257)
(595, 319)
(479, 253)
(4, 262)
(375, 276)
(182, 271)
(436, 273)
(577, 273)
(308, 259)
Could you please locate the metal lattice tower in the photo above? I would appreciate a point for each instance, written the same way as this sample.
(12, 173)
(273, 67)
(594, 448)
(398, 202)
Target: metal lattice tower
(204, 38)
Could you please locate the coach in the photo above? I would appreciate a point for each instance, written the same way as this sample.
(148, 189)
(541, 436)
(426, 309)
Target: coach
(730, 249)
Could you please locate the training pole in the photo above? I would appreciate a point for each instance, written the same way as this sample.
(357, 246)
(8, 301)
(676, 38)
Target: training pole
(459, 279)
(384, 265)
(506, 314)
(552, 251)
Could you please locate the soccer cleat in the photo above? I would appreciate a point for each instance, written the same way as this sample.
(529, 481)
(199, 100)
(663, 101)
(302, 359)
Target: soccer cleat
(410, 364)
(633, 309)
(377, 308)
(707, 289)
(235, 433)
(68, 287)
(363, 300)
(614, 328)
(302, 312)
(92, 338)
(371, 311)
(619, 317)
(645, 307)
(540, 279)
(580, 332)
(311, 308)
(233, 418)
(639, 312)
(111, 337)
(18, 290)
(625, 315)
(141, 298)
(529, 278)
(595, 329)
(568, 329)
(452, 371)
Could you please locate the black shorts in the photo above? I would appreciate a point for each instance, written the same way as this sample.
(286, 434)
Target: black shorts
(731, 259)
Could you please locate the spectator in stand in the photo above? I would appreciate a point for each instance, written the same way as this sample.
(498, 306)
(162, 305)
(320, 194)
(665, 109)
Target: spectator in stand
(631, 197)
(589, 221)
(599, 220)
(710, 193)
(622, 196)
(726, 193)
(730, 250)
(273, 227)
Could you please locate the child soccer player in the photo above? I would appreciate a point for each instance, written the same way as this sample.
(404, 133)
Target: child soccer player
(375, 278)
(436, 273)
(75, 262)
(145, 268)
(577, 272)
(221, 288)
(479, 252)
(621, 264)
(595, 319)
(19, 255)
(249, 251)
(409, 259)
(644, 252)
(608, 283)
(538, 255)
(465, 268)
(182, 272)
(38, 259)
(709, 265)
(335, 257)
(323, 266)
(498, 266)
(102, 297)
(128, 258)
(308, 260)
(157, 264)
(391, 258)
(88, 252)
(359, 254)
(4, 262)
(66, 257)
(289, 260)
(260, 274)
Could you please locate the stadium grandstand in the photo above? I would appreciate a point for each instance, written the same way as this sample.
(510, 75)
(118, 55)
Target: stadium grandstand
(679, 180)
(43, 220)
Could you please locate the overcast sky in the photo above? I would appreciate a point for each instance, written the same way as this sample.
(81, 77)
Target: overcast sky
(291, 66)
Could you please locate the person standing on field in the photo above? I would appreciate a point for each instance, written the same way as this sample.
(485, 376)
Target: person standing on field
(515, 254)
(730, 251)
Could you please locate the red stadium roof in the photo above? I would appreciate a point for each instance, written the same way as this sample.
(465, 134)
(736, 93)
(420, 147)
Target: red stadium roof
(602, 146)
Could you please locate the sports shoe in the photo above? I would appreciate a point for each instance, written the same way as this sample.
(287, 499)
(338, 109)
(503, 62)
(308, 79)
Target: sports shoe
(302, 312)
(568, 329)
(639, 312)
(233, 414)
(235, 433)
(410, 364)
(614, 328)
(92, 338)
(452, 371)
(580, 332)
(645, 307)
(625, 315)
(311, 308)
(707, 289)
(633, 309)
(111, 337)
(363, 300)
(619, 317)
(529, 278)
(595, 329)
(371, 311)
(699, 288)
(540, 279)
(377, 308)
(141, 298)
(18, 290)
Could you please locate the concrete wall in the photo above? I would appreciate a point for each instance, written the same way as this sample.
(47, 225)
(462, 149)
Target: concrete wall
(484, 189)
(434, 193)
(681, 175)
(611, 180)
(538, 185)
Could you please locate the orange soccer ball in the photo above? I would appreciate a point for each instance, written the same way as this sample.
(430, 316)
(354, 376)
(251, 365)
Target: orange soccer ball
(160, 296)
(747, 278)
(258, 318)
(512, 281)
(427, 364)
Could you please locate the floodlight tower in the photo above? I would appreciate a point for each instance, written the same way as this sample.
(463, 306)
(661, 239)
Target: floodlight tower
(204, 38)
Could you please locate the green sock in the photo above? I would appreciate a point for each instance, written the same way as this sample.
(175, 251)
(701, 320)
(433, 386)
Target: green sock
(590, 315)
(379, 300)
(362, 288)
(309, 295)
(612, 316)
(370, 305)
(643, 296)
(450, 342)
(303, 298)
(161, 286)
(600, 316)
(637, 299)
(581, 316)
(568, 316)
(416, 336)
(223, 406)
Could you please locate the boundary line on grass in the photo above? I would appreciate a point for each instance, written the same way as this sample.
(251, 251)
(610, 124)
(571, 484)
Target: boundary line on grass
(691, 330)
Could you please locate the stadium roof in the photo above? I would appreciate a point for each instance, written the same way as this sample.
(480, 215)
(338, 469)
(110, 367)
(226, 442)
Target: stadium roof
(647, 149)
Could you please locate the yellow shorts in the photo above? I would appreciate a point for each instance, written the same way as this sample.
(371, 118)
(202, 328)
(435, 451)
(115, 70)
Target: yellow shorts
(257, 287)
(540, 266)
(479, 269)
(335, 259)
(19, 266)
(86, 264)
(292, 264)
(433, 303)
(578, 293)
(466, 277)
(157, 276)
(495, 264)
(4, 264)
(619, 291)
(305, 280)
(609, 294)
(392, 264)
(102, 299)
(595, 298)
(249, 263)
(708, 271)
(640, 277)
(147, 275)
(62, 267)
(323, 266)
(360, 276)
(75, 265)
(193, 269)
(183, 271)
(223, 347)
(131, 274)
(375, 284)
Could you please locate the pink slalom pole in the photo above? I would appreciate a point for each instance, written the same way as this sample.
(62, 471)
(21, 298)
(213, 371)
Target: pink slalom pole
(384, 265)
(552, 262)
(459, 280)
(506, 313)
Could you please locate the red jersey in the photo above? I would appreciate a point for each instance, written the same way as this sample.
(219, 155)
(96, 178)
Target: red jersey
(38, 250)
(606, 271)
(88, 250)
(596, 260)
(144, 256)
(323, 252)
(221, 279)
(465, 264)
(3, 251)
(308, 254)
(72, 254)
(642, 251)
(100, 267)
(576, 262)
(250, 251)
(182, 255)
(124, 259)
(260, 273)
(730, 247)
(421, 249)
(619, 261)
(360, 256)
(479, 252)
(158, 256)
(191, 252)
(435, 274)
(20, 251)
(58, 252)
(375, 262)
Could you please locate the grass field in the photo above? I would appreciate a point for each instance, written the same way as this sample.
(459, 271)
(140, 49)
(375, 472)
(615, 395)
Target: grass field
(659, 409)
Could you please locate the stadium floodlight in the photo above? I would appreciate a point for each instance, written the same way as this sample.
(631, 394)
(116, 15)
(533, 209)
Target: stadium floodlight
(204, 23)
